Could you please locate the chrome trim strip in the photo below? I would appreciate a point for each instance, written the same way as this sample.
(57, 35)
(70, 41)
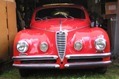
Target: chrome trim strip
(60, 25)
(83, 56)
(36, 65)
(87, 64)
(44, 57)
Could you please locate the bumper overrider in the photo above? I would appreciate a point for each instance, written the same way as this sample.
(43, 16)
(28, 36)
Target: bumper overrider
(67, 65)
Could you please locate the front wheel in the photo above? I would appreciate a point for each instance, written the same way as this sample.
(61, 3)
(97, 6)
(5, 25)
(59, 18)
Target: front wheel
(24, 72)
(101, 70)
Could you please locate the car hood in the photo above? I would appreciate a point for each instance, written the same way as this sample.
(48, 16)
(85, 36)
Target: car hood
(67, 24)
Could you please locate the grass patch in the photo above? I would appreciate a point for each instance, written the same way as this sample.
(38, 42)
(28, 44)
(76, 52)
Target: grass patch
(112, 73)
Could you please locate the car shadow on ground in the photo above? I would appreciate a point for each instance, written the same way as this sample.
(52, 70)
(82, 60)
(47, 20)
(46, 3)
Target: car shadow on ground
(59, 74)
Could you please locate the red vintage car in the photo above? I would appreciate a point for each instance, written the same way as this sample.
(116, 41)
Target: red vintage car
(60, 36)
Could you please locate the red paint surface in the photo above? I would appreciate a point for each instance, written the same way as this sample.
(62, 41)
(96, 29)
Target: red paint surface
(77, 30)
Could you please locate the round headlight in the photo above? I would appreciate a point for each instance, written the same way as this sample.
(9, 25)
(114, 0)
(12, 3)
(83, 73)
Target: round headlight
(43, 46)
(78, 46)
(22, 46)
(100, 44)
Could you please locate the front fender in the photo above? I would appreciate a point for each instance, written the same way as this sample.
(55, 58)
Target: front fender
(88, 37)
(34, 38)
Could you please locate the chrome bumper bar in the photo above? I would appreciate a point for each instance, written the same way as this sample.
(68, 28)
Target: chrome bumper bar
(36, 65)
(27, 58)
(87, 64)
(85, 56)
(69, 65)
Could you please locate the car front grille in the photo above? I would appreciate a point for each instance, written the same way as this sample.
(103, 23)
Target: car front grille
(61, 44)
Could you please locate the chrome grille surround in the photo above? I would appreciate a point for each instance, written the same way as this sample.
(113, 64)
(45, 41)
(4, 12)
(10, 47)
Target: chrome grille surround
(61, 43)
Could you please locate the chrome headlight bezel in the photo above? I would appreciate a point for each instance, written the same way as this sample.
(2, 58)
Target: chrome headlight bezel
(100, 44)
(78, 45)
(44, 46)
(22, 46)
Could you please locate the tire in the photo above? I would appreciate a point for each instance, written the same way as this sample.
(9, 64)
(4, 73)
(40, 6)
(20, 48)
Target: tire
(24, 72)
(101, 70)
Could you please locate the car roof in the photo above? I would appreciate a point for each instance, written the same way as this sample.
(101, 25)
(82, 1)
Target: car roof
(58, 5)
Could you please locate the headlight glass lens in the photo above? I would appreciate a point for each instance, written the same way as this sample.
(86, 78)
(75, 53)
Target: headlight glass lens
(44, 47)
(22, 46)
(100, 44)
(78, 46)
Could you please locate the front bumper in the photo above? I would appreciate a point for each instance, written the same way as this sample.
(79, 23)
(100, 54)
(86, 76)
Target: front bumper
(74, 64)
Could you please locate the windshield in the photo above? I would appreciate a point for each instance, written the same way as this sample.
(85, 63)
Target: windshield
(60, 12)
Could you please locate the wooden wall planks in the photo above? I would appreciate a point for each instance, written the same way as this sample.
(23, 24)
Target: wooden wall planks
(8, 27)
(3, 29)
